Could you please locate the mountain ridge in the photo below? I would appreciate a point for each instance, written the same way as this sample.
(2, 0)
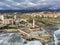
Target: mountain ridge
(28, 11)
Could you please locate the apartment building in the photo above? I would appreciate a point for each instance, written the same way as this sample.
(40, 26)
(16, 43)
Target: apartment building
(7, 19)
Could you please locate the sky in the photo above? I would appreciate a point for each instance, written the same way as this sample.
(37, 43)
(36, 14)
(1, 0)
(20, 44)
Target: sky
(29, 4)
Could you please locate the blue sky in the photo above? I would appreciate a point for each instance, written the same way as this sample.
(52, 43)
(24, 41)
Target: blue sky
(29, 4)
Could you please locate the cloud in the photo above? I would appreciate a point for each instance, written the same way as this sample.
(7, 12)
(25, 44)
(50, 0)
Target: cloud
(29, 4)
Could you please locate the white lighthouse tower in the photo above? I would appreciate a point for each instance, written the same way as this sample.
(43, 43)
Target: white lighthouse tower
(34, 27)
(33, 23)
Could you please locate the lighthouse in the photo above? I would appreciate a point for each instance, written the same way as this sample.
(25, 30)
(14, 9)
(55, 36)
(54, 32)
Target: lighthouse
(33, 23)
(33, 27)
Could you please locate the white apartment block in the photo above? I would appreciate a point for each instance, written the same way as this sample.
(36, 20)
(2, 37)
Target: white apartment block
(6, 19)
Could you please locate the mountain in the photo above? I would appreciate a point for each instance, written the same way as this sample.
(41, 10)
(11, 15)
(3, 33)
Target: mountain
(27, 11)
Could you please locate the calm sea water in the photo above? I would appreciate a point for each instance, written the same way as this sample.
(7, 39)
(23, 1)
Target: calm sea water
(15, 39)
